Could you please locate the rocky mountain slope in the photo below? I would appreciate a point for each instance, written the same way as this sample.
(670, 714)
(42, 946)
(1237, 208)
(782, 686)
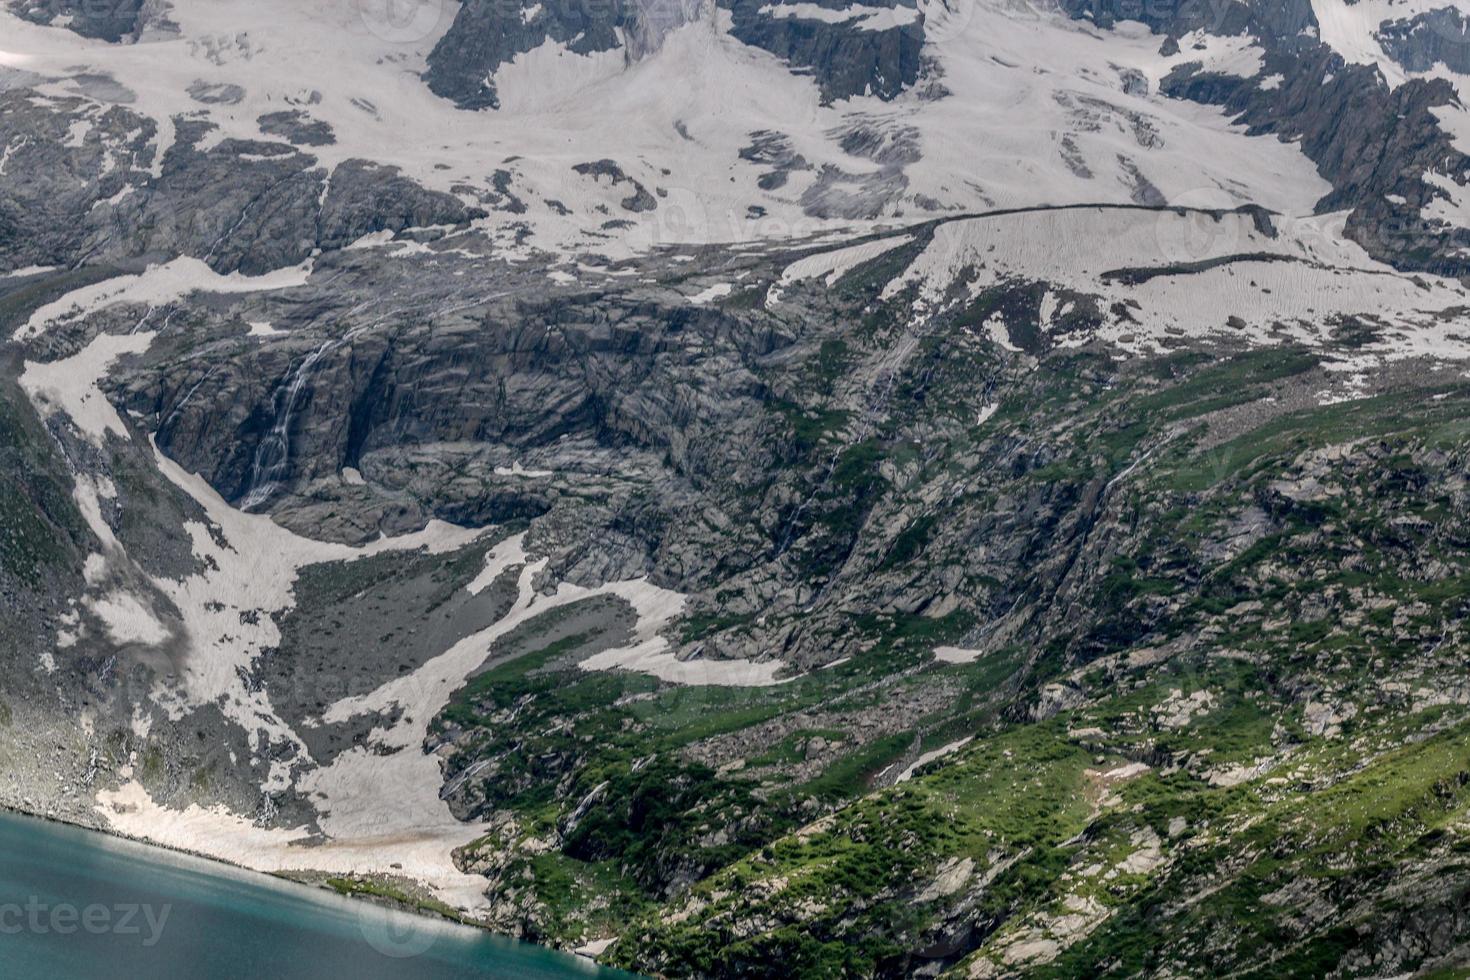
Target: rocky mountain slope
(883, 490)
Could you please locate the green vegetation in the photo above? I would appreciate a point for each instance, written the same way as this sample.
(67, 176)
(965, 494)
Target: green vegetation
(1212, 632)
(40, 527)
(1257, 780)
(381, 888)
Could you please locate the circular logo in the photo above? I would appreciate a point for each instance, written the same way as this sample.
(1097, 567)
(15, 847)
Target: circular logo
(396, 935)
(400, 21)
(661, 16)
(681, 217)
(1199, 225)
(1453, 28)
(945, 20)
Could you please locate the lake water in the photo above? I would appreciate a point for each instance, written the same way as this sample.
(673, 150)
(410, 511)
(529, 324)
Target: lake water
(77, 905)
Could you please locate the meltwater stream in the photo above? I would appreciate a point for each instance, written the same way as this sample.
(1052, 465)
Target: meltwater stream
(77, 905)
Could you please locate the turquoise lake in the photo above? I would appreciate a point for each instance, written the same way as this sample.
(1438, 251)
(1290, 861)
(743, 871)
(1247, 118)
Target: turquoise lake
(75, 905)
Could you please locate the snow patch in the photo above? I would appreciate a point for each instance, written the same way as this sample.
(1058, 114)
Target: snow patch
(930, 756)
(1024, 82)
(516, 469)
(1350, 27)
(127, 619)
(70, 385)
(711, 294)
(425, 854)
(835, 264)
(1192, 274)
(862, 17)
(158, 285)
(956, 655)
(30, 270)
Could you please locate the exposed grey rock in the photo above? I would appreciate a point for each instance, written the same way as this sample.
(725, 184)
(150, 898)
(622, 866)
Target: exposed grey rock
(1373, 166)
(249, 206)
(297, 128)
(845, 59)
(639, 200)
(1272, 20)
(838, 194)
(216, 93)
(112, 20)
(488, 33)
(775, 151)
(1434, 37)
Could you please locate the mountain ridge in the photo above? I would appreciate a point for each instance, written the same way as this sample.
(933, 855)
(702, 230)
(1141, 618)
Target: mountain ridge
(978, 493)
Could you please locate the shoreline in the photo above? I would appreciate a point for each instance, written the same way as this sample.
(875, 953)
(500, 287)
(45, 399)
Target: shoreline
(297, 880)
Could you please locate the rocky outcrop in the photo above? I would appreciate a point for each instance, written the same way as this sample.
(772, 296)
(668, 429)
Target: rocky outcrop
(487, 34)
(846, 56)
(1275, 21)
(1434, 37)
(1380, 169)
(1386, 169)
(241, 206)
(871, 604)
(113, 20)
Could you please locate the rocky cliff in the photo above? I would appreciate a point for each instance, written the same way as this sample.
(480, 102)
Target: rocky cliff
(883, 542)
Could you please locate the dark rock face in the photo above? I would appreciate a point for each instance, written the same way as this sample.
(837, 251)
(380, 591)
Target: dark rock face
(584, 382)
(1435, 37)
(1277, 20)
(489, 33)
(366, 197)
(1394, 139)
(106, 20)
(1393, 143)
(845, 59)
(415, 607)
(248, 206)
(639, 200)
(775, 151)
(48, 198)
(240, 205)
(297, 128)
